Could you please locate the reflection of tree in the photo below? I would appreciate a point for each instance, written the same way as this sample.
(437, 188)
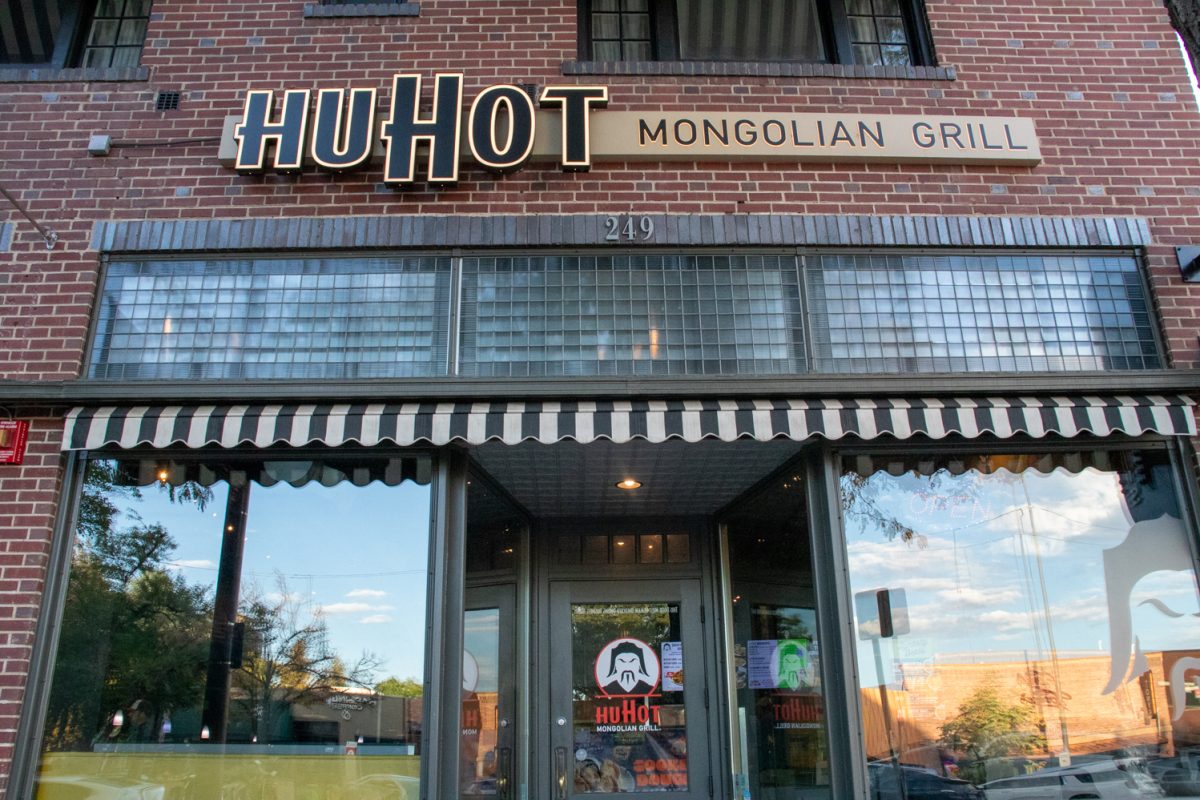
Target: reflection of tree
(288, 659)
(860, 499)
(988, 727)
(133, 634)
(400, 687)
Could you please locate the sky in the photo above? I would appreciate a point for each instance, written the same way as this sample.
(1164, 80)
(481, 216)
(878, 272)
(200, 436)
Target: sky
(358, 554)
(974, 577)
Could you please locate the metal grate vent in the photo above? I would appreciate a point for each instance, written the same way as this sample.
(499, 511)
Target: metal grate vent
(166, 101)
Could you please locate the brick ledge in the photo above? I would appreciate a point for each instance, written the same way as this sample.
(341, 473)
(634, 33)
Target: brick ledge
(764, 69)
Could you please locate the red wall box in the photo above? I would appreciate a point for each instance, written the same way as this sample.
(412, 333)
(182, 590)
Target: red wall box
(14, 433)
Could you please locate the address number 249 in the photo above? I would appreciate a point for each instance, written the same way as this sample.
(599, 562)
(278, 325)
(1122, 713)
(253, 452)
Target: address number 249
(629, 229)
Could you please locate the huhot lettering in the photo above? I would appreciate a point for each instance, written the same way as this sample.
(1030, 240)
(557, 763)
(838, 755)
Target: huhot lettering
(500, 128)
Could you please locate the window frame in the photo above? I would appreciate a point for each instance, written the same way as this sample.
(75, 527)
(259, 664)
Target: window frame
(63, 65)
(444, 596)
(835, 34)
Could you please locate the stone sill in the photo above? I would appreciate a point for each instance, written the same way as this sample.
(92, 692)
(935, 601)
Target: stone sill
(74, 75)
(362, 10)
(765, 69)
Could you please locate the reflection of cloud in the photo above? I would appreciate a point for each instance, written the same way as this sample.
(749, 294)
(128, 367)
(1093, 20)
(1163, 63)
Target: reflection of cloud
(366, 593)
(193, 563)
(376, 619)
(979, 598)
(352, 608)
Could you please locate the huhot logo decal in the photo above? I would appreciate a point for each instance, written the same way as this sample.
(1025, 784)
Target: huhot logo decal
(627, 668)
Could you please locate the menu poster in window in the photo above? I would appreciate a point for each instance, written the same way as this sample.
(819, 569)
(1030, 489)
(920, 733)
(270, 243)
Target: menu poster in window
(672, 666)
(780, 664)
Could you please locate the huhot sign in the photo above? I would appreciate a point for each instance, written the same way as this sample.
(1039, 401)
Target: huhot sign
(503, 128)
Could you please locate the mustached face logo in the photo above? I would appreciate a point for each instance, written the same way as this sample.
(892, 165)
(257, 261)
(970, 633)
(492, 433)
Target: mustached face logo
(627, 668)
(1151, 546)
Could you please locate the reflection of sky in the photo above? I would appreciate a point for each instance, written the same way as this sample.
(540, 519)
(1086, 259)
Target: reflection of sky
(481, 638)
(973, 577)
(358, 553)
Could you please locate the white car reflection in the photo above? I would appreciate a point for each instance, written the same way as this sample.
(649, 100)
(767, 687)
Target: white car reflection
(90, 787)
(1101, 781)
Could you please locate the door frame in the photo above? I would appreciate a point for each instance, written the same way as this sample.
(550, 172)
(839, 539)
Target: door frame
(703, 568)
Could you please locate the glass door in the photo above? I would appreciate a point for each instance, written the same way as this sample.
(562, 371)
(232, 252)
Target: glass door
(628, 690)
(488, 720)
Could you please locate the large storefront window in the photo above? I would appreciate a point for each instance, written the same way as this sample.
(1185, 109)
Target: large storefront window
(243, 629)
(1026, 624)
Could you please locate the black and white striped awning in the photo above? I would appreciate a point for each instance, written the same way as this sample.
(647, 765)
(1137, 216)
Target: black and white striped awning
(623, 420)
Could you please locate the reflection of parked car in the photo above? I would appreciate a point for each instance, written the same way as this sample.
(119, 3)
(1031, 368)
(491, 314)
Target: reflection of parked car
(88, 787)
(1176, 776)
(919, 784)
(386, 787)
(1104, 780)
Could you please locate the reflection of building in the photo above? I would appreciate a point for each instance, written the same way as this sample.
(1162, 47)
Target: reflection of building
(1136, 718)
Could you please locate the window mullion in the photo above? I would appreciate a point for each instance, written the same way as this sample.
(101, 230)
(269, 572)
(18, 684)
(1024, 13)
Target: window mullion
(836, 25)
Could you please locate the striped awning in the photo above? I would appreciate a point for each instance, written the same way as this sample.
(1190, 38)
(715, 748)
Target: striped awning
(623, 420)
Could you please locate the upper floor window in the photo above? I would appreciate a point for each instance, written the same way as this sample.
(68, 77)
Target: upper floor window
(73, 33)
(869, 32)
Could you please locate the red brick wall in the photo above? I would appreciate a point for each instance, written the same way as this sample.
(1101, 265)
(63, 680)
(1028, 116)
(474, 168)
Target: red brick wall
(28, 502)
(1103, 79)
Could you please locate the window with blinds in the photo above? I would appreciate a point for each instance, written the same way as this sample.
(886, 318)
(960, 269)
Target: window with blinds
(866, 32)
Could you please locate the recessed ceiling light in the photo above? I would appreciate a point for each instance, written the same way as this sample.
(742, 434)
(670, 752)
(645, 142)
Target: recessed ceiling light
(629, 484)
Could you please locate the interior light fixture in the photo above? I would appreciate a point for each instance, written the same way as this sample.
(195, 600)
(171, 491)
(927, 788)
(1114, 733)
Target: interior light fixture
(629, 484)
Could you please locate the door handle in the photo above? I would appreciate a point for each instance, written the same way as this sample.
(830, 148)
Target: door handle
(560, 773)
(504, 773)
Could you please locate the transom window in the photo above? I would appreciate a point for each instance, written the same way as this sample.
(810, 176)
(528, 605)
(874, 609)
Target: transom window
(521, 316)
(869, 32)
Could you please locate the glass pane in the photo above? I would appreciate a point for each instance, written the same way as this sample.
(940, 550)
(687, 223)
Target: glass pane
(137, 8)
(568, 549)
(98, 57)
(891, 30)
(637, 51)
(628, 709)
(479, 751)
(126, 56)
(650, 549)
(782, 748)
(104, 32)
(274, 318)
(595, 550)
(606, 26)
(862, 29)
(631, 315)
(679, 548)
(213, 645)
(635, 26)
(961, 313)
(133, 32)
(624, 549)
(867, 54)
(895, 55)
(1024, 622)
(493, 529)
(752, 30)
(606, 51)
(110, 8)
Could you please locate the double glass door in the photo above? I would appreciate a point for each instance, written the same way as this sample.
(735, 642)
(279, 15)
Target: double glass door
(621, 691)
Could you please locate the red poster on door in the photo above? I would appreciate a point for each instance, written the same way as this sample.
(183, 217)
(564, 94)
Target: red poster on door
(13, 434)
